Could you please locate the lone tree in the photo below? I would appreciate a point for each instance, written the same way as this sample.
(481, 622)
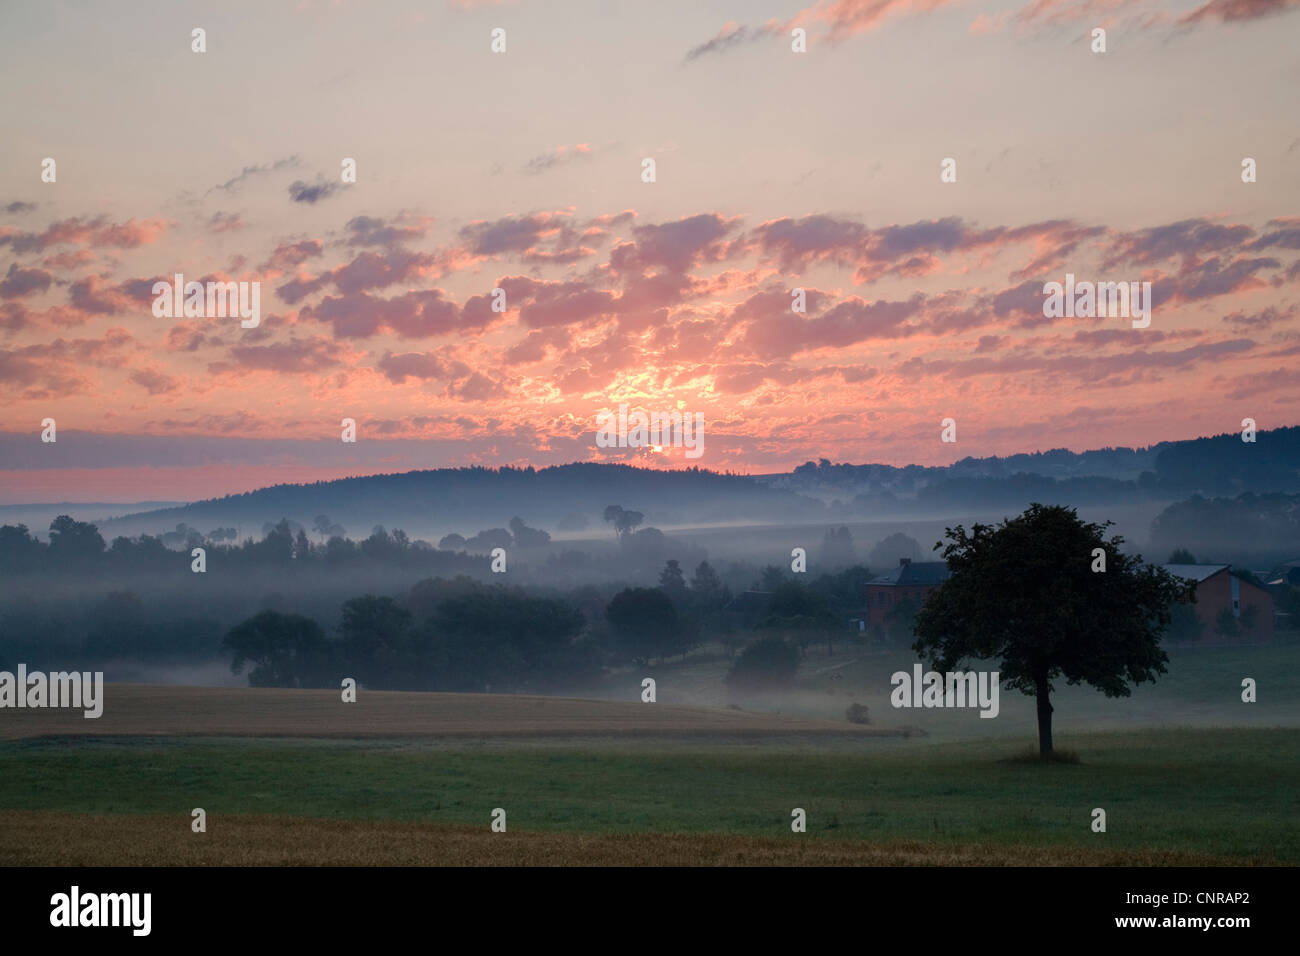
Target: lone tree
(624, 521)
(769, 663)
(1026, 593)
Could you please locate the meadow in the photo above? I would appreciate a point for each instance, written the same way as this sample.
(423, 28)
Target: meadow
(1184, 776)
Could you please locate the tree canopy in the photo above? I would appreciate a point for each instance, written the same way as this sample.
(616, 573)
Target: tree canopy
(1025, 594)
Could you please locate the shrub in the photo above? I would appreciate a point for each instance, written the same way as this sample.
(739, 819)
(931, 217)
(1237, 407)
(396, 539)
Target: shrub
(1225, 623)
(768, 663)
(857, 714)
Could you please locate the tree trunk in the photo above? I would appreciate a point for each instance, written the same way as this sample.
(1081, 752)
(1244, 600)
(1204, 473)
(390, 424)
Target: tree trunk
(1044, 720)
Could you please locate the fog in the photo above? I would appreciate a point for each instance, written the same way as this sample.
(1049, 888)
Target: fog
(553, 580)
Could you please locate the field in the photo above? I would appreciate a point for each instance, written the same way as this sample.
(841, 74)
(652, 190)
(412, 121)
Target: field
(44, 839)
(141, 709)
(1187, 775)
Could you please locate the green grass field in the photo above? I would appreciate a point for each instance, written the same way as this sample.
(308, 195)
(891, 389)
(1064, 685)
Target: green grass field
(1202, 688)
(1183, 768)
(1230, 793)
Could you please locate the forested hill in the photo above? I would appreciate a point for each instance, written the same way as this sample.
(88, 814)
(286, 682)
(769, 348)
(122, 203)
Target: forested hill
(1225, 464)
(1219, 465)
(466, 499)
(572, 497)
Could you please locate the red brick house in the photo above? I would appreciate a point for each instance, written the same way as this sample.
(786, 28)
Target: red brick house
(1217, 591)
(911, 579)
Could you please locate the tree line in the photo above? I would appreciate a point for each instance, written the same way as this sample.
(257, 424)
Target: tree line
(78, 546)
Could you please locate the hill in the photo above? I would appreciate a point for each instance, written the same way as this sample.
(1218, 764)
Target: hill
(571, 497)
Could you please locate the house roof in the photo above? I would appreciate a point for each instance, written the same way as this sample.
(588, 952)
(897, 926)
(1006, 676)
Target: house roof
(1194, 572)
(914, 574)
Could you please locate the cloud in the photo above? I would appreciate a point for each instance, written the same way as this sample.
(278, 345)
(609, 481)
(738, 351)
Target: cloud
(1282, 234)
(646, 294)
(299, 287)
(729, 37)
(1265, 318)
(53, 369)
(542, 304)
(1024, 300)
(296, 355)
(14, 317)
(69, 260)
(795, 243)
(94, 296)
(1236, 11)
(559, 156)
(773, 330)
(87, 232)
(463, 384)
(846, 18)
(368, 270)
(248, 172)
(20, 282)
(372, 231)
(1086, 366)
(477, 388)
(40, 379)
(1187, 237)
(226, 222)
(18, 207)
(289, 254)
(154, 381)
(510, 233)
(311, 194)
(416, 365)
(373, 270)
(541, 238)
(412, 315)
(534, 346)
(693, 308)
(838, 20)
(1211, 278)
(908, 250)
(1058, 12)
(1135, 14)
(186, 337)
(675, 246)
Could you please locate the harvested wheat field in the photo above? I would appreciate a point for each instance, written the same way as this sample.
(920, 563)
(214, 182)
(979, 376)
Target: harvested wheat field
(172, 711)
(83, 839)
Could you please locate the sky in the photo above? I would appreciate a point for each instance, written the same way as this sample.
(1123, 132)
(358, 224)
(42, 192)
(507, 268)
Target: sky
(523, 171)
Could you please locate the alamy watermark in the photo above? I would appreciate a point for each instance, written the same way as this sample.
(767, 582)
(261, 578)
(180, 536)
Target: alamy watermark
(1091, 300)
(954, 689)
(58, 689)
(651, 430)
(75, 908)
(218, 300)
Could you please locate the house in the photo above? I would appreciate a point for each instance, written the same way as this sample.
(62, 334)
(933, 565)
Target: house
(911, 579)
(1290, 575)
(1219, 592)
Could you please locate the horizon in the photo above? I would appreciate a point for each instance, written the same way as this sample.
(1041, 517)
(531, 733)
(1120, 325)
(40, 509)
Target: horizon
(326, 475)
(323, 475)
